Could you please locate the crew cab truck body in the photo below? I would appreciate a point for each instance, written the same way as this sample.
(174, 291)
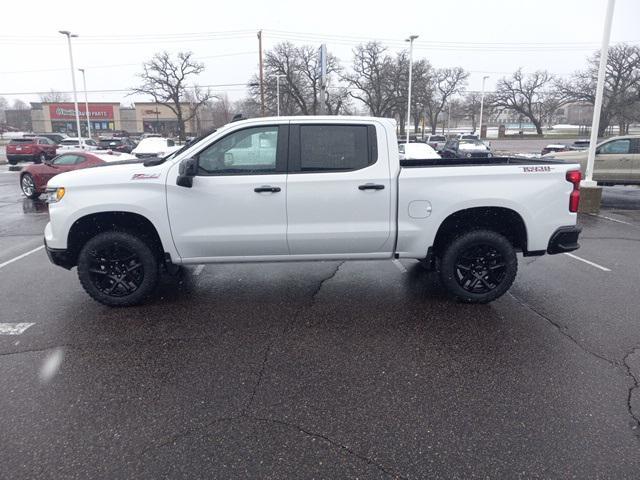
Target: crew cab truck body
(308, 188)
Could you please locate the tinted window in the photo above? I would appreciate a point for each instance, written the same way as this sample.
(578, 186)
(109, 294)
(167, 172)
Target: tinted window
(171, 143)
(67, 160)
(113, 142)
(21, 141)
(617, 146)
(333, 147)
(252, 150)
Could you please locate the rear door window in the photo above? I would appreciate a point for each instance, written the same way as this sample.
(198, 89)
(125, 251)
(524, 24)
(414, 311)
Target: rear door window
(335, 147)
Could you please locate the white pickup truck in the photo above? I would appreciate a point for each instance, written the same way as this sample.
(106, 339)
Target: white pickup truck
(308, 188)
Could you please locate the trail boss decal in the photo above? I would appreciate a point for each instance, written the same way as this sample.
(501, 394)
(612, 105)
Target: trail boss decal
(144, 176)
(541, 168)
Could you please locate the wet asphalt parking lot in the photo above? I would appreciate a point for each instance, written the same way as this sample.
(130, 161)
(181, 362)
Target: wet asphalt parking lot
(323, 370)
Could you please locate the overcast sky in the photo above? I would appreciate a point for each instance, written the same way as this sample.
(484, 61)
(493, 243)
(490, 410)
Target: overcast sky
(488, 37)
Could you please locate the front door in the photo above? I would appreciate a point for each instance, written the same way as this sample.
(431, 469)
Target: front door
(338, 191)
(613, 161)
(237, 205)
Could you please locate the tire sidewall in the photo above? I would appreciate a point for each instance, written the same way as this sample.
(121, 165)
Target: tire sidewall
(35, 194)
(133, 242)
(462, 243)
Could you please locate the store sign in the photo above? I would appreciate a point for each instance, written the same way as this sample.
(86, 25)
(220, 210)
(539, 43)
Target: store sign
(66, 111)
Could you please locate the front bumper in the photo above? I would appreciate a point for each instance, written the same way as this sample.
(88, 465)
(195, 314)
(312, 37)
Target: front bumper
(59, 256)
(564, 239)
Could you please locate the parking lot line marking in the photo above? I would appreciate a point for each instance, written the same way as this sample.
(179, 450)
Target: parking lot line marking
(612, 219)
(399, 265)
(14, 328)
(198, 269)
(15, 259)
(604, 269)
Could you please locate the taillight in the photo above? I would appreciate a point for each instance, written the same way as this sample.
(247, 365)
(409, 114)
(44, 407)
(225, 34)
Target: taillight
(574, 176)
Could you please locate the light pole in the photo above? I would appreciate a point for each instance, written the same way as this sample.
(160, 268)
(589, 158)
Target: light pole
(278, 92)
(86, 103)
(482, 105)
(73, 80)
(595, 122)
(410, 40)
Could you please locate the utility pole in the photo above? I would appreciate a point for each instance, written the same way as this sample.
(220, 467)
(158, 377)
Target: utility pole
(261, 73)
(410, 40)
(86, 103)
(449, 120)
(481, 106)
(70, 35)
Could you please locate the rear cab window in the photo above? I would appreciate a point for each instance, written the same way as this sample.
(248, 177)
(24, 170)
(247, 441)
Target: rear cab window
(332, 147)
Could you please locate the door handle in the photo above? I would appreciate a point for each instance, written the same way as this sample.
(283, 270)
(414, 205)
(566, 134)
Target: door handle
(371, 186)
(266, 188)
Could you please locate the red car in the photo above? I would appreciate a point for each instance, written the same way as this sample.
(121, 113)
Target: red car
(34, 178)
(33, 149)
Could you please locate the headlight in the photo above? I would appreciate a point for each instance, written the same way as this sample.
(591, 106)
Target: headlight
(55, 194)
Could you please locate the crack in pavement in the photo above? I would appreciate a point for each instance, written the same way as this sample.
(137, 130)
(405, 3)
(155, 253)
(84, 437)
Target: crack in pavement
(330, 441)
(633, 387)
(563, 331)
(284, 331)
(624, 365)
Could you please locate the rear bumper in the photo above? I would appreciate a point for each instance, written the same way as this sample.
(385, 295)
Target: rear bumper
(564, 239)
(59, 256)
(21, 156)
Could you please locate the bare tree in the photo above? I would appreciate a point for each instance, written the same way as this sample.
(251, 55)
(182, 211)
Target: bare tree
(54, 96)
(300, 92)
(166, 81)
(534, 96)
(370, 79)
(443, 84)
(19, 105)
(4, 105)
(621, 100)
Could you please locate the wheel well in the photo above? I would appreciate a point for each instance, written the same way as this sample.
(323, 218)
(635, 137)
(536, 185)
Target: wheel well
(505, 221)
(89, 226)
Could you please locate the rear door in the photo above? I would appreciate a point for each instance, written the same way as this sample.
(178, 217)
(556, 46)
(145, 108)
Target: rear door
(635, 160)
(613, 160)
(338, 190)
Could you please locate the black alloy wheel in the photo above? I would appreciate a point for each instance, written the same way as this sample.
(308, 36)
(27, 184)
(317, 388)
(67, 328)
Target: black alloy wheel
(478, 266)
(118, 268)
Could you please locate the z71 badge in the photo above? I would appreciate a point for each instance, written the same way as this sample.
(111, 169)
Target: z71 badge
(144, 176)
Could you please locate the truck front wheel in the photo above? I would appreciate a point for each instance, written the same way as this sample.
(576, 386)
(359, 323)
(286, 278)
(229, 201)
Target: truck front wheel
(479, 266)
(117, 269)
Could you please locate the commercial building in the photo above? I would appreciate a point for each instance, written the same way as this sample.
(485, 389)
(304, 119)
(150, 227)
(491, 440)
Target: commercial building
(61, 117)
(153, 117)
(105, 118)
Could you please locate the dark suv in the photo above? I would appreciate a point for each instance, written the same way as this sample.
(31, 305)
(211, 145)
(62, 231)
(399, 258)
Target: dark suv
(465, 149)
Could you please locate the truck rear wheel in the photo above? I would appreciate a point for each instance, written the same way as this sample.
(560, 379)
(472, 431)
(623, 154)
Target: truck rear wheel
(479, 266)
(117, 269)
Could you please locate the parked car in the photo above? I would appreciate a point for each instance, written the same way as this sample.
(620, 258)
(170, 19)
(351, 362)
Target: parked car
(436, 141)
(55, 137)
(417, 151)
(466, 149)
(155, 147)
(73, 144)
(34, 178)
(617, 160)
(554, 147)
(580, 145)
(30, 149)
(117, 144)
(468, 136)
(337, 191)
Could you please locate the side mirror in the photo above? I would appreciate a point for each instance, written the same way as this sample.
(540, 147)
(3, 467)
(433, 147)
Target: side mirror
(186, 171)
